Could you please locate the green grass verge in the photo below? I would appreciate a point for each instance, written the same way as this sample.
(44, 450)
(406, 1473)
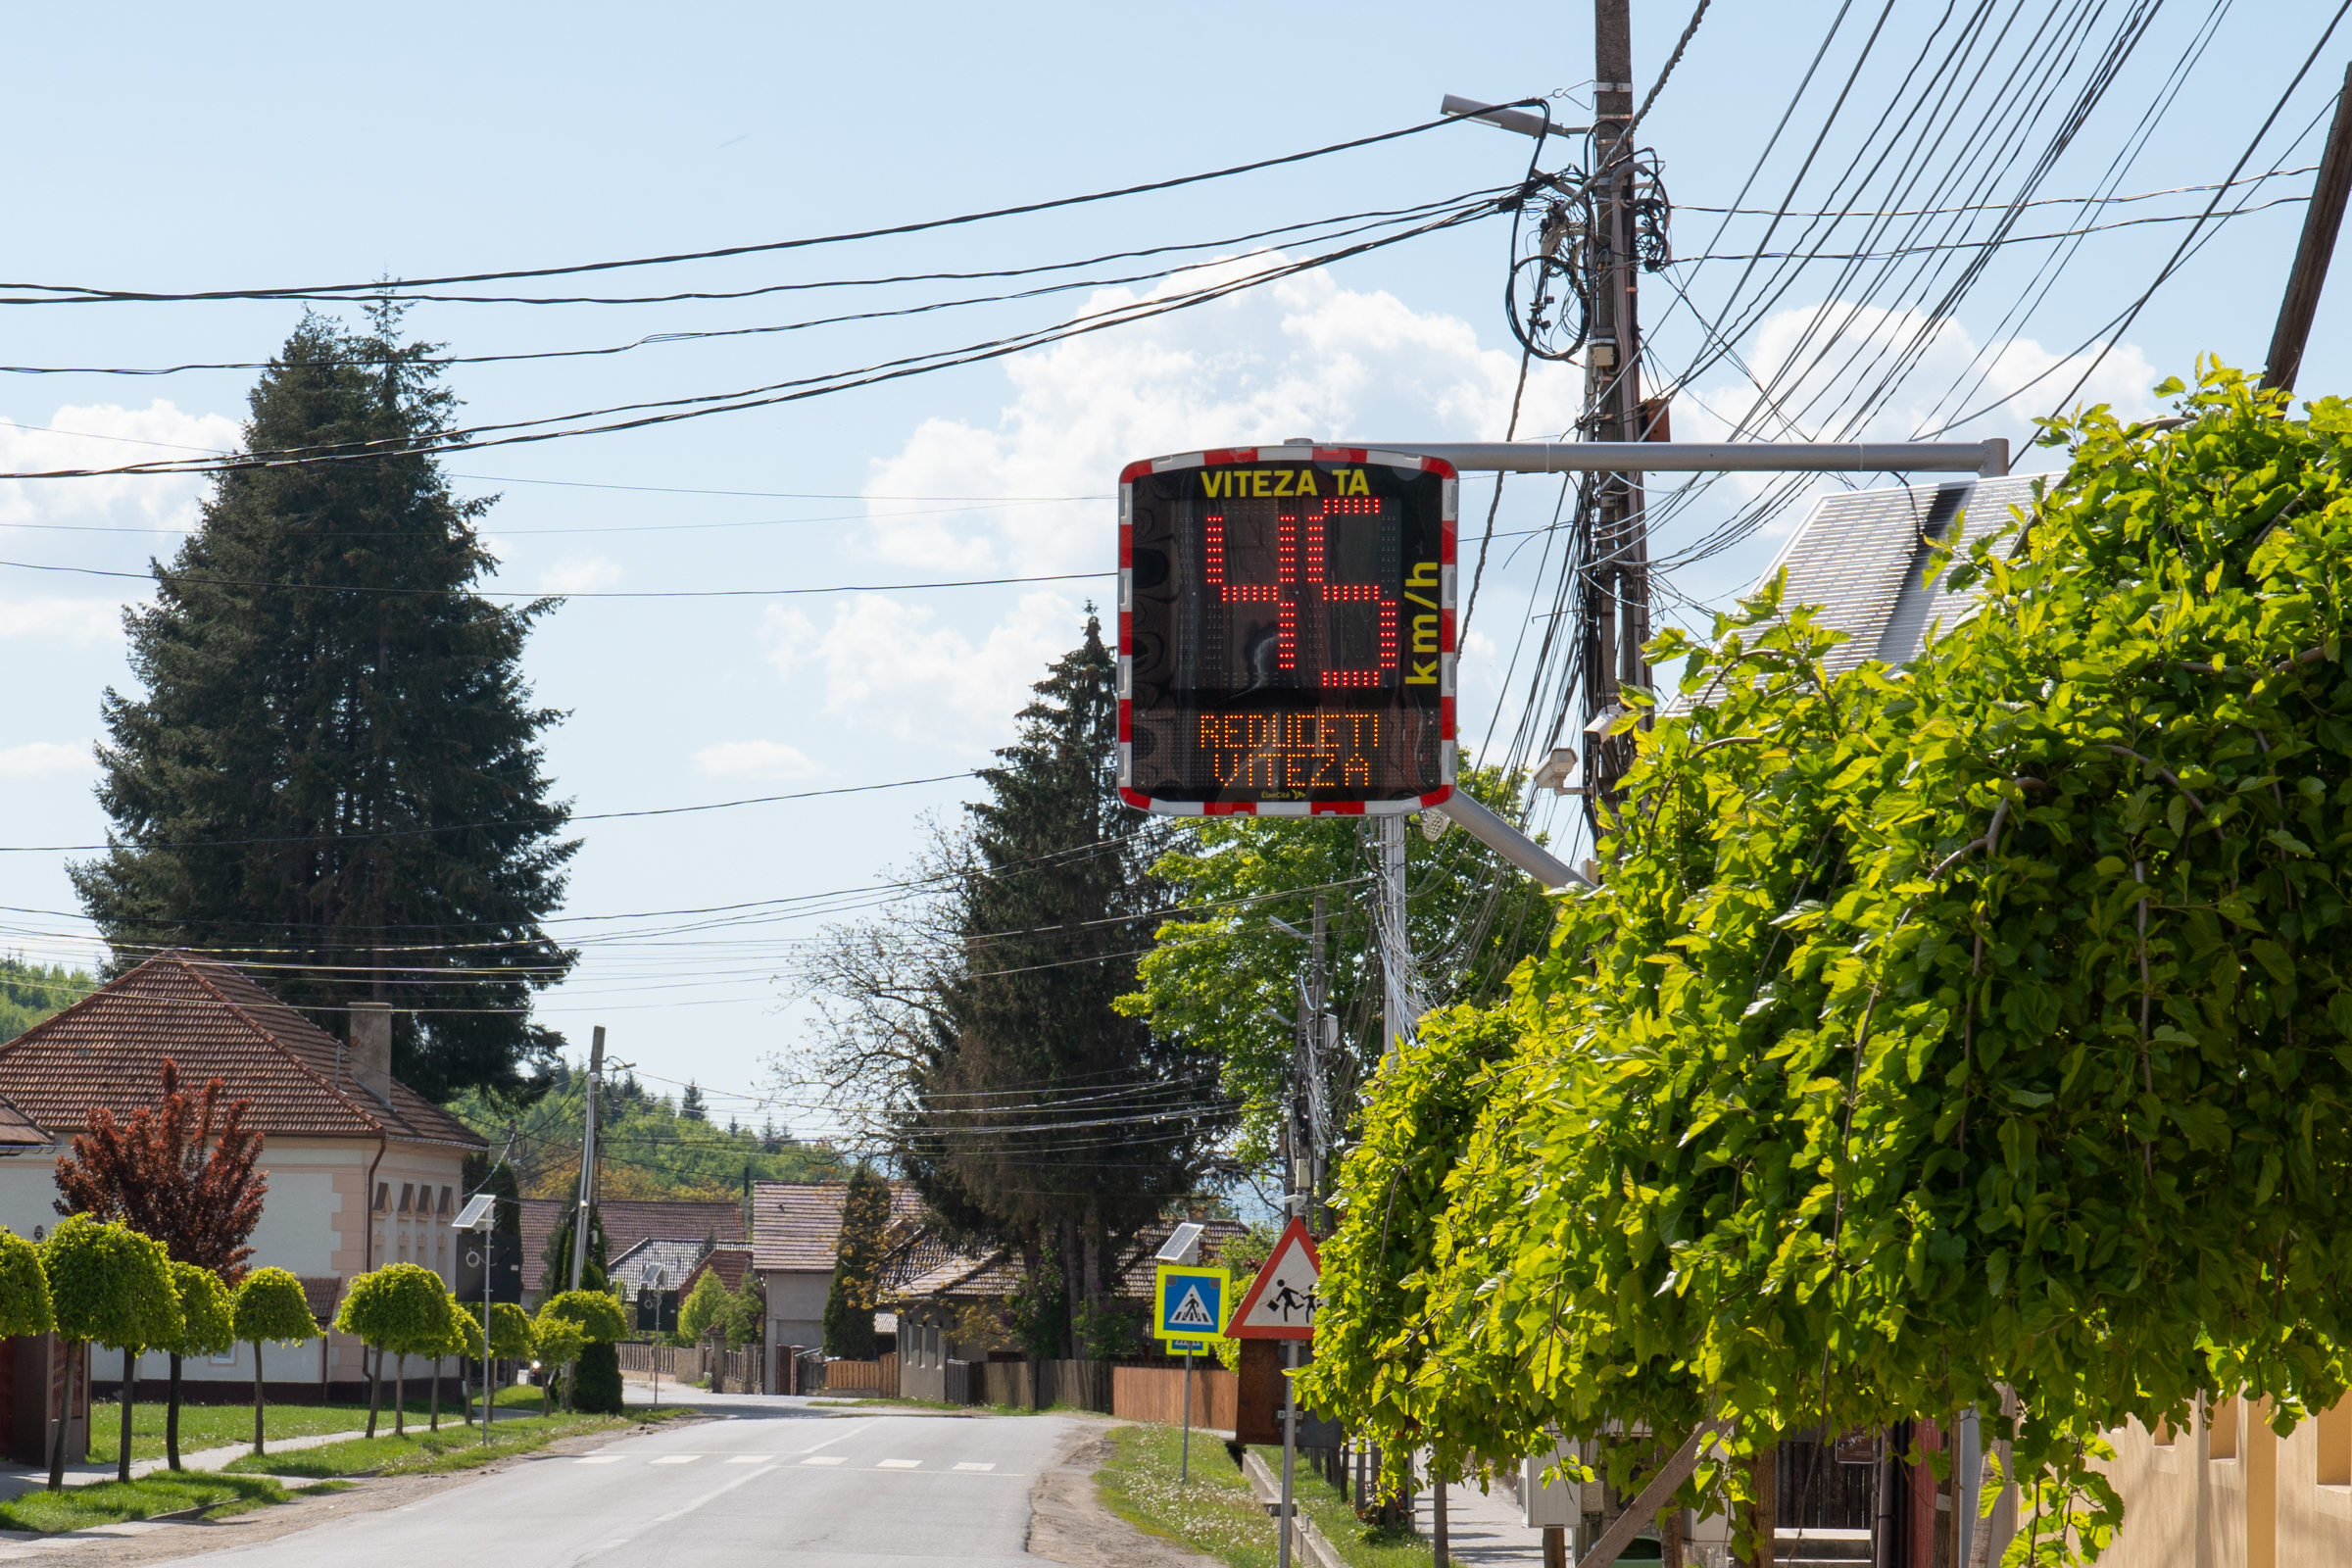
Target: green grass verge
(420, 1451)
(214, 1426)
(1216, 1513)
(112, 1502)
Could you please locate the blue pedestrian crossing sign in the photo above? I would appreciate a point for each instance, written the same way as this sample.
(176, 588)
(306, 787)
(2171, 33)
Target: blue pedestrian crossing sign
(1188, 1304)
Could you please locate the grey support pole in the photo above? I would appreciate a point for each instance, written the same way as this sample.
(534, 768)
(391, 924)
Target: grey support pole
(1289, 1448)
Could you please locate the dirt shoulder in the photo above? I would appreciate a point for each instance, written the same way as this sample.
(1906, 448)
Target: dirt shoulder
(1068, 1524)
(127, 1546)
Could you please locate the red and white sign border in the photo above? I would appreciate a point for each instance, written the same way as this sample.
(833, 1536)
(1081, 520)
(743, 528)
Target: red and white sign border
(1234, 1328)
(1447, 573)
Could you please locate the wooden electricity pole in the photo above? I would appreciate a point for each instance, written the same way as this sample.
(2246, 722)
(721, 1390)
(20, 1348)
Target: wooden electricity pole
(1616, 589)
(2320, 219)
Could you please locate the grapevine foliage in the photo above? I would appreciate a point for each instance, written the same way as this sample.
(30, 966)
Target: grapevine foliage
(1981, 1023)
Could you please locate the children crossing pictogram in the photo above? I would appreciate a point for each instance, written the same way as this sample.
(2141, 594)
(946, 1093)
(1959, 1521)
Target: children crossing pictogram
(1282, 1303)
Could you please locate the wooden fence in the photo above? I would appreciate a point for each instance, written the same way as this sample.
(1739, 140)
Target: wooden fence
(880, 1377)
(1156, 1394)
(727, 1371)
(1042, 1385)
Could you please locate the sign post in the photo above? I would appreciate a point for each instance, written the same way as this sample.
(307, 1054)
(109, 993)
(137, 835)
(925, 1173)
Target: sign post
(1188, 1303)
(1281, 1304)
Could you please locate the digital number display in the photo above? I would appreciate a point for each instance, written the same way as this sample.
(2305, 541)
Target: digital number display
(1286, 631)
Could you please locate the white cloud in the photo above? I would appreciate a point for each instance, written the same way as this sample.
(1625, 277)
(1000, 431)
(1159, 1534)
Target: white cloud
(76, 622)
(887, 664)
(1301, 357)
(756, 759)
(107, 436)
(579, 575)
(44, 758)
(2018, 376)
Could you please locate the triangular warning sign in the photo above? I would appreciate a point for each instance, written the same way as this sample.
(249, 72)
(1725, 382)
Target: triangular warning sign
(1193, 1312)
(1283, 1299)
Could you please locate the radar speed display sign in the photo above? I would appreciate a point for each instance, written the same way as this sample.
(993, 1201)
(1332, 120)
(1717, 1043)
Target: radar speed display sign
(1286, 631)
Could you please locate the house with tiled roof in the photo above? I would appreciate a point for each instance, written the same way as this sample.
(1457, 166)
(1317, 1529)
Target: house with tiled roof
(730, 1263)
(627, 1222)
(653, 1265)
(796, 1241)
(952, 1306)
(363, 1171)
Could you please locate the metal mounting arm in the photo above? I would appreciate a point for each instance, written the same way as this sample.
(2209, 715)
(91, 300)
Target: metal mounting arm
(1509, 842)
(1987, 459)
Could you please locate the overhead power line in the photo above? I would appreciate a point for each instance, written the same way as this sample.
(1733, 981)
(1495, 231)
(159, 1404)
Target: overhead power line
(168, 575)
(82, 293)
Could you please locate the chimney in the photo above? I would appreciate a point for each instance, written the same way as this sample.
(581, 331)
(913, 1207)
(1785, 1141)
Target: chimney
(372, 1048)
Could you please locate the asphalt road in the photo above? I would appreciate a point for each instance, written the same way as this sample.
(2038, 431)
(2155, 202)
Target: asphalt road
(773, 1481)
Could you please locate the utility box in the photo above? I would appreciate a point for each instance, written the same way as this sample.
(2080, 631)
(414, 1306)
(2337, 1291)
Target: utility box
(38, 1382)
(1545, 1503)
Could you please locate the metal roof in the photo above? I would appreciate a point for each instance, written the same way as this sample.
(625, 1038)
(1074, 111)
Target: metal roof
(1862, 556)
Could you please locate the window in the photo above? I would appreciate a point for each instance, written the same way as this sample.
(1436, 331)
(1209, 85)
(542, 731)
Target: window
(2222, 1429)
(407, 1198)
(444, 1201)
(383, 1198)
(2335, 1445)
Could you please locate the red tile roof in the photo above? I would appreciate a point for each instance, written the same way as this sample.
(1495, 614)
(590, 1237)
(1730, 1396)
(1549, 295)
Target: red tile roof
(109, 1047)
(929, 1272)
(796, 1226)
(627, 1221)
(19, 1131)
(730, 1263)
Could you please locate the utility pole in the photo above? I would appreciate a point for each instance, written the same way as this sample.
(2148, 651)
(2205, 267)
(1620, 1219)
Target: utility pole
(579, 1223)
(1616, 590)
(2320, 220)
(1396, 951)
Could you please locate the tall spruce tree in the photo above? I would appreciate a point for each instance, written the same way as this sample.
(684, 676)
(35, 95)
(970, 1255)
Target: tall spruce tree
(336, 761)
(1038, 1115)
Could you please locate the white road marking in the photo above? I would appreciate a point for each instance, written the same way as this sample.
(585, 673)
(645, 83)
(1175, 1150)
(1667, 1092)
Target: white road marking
(600, 1458)
(975, 1467)
(677, 1458)
(854, 1429)
(899, 1464)
(824, 1458)
(711, 1495)
(751, 1458)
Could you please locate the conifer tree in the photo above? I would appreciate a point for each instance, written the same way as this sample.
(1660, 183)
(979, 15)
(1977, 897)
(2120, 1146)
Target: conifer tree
(336, 758)
(1013, 1032)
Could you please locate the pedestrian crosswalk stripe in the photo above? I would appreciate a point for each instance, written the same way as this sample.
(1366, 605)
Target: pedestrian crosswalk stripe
(600, 1458)
(677, 1458)
(899, 1464)
(750, 1458)
(822, 1458)
(975, 1467)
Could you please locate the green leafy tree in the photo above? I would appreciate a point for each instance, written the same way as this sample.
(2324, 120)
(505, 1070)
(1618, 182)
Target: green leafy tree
(654, 1150)
(984, 1021)
(206, 1328)
(509, 1337)
(270, 1306)
(1968, 1033)
(556, 1343)
(1226, 979)
(326, 701)
(25, 1307)
(31, 991)
(109, 1285)
(747, 1314)
(858, 1267)
(595, 1383)
(401, 1309)
(461, 1336)
(706, 1303)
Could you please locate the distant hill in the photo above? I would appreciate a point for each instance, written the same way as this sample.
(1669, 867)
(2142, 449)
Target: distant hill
(29, 992)
(651, 1146)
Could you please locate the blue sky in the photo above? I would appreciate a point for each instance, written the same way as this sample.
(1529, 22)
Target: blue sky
(176, 150)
